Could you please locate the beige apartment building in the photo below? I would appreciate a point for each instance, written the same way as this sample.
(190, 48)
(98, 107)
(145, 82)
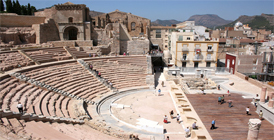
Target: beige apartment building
(159, 35)
(189, 53)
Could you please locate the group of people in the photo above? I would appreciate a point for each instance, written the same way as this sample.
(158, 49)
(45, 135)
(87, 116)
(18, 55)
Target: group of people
(99, 75)
(221, 99)
(171, 113)
(133, 137)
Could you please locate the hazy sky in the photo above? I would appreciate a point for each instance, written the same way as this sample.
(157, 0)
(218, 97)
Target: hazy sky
(171, 9)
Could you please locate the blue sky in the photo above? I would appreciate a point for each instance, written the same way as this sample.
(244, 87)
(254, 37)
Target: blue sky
(171, 9)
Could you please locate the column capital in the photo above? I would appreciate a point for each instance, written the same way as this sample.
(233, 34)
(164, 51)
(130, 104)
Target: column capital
(254, 124)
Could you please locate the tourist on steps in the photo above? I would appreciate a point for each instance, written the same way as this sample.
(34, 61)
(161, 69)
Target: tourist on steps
(20, 107)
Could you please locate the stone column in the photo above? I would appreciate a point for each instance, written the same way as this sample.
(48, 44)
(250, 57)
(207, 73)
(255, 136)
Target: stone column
(270, 103)
(262, 97)
(270, 95)
(254, 126)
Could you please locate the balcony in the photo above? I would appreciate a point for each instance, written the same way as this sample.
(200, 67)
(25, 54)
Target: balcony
(209, 50)
(197, 59)
(209, 60)
(184, 59)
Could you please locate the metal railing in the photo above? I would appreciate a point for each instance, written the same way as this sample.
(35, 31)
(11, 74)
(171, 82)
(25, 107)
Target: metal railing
(193, 70)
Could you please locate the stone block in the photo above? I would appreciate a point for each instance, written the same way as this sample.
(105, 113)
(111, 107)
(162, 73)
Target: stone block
(270, 103)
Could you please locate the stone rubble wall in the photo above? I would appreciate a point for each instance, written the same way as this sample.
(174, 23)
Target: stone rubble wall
(46, 32)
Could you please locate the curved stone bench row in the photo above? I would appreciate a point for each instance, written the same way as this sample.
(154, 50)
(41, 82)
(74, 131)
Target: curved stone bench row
(33, 117)
(42, 85)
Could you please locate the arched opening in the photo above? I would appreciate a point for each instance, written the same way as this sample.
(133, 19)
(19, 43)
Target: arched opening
(132, 26)
(70, 33)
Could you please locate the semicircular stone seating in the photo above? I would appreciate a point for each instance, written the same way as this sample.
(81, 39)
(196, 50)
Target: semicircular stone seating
(123, 72)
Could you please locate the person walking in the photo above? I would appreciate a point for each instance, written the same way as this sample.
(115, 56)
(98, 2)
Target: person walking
(247, 110)
(219, 100)
(171, 114)
(212, 125)
(229, 103)
(99, 74)
(228, 93)
(20, 107)
(261, 115)
(165, 119)
(159, 92)
(178, 118)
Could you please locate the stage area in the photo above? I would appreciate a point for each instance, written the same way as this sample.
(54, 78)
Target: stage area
(147, 107)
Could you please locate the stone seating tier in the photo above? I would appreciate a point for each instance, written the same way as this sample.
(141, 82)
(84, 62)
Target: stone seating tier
(11, 60)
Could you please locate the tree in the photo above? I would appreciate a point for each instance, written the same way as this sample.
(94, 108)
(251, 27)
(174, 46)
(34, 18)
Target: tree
(2, 6)
(29, 10)
(8, 6)
(33, 9)
(18, 7)
(24, 10)
(14, 10)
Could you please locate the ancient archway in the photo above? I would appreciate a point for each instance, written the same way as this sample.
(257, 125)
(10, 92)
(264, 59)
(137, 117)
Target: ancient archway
(70, 33)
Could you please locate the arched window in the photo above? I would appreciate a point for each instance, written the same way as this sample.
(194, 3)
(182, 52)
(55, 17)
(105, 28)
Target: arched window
(132, 26)
(70, 19)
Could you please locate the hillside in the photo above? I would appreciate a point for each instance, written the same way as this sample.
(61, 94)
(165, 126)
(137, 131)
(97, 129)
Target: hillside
(159, 22)
(263, 21)
(208, 20)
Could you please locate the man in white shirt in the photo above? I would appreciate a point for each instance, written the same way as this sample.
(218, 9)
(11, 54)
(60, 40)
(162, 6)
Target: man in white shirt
(20, 107)
(178, 118)
(187, 130)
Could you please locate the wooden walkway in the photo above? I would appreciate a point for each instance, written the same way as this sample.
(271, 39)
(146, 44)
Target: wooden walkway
(232, 122)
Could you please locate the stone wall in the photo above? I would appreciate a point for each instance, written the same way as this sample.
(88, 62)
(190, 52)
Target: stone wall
(72, 43)
(63, 43)
(20, 21)
(46, 32)
(255, 82)
(17, 35)
(158, 41)
(137, 47)
(134, 24)
(115, 46)
(84, 43)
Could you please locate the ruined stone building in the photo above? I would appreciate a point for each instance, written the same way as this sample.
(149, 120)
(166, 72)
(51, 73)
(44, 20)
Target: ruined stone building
(70, 25)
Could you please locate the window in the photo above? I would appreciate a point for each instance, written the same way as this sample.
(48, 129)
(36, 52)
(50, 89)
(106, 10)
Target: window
(209, 47)
(158, 31)
(132, 26)
(183, 64)
(254, 68)
(239, 62)
(180, 38)
(208, 64)
(184, 56)
(188, 38)
(255, 61)
(227, 63)
(232, 62)
(165, 46)
(158, 35)
(70, 19)
(196, 64)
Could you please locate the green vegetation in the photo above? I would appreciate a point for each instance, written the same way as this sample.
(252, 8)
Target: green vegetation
(259, 22)
(15, 7)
